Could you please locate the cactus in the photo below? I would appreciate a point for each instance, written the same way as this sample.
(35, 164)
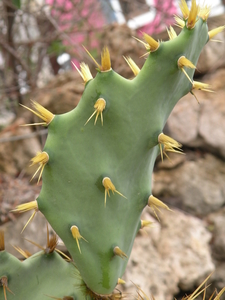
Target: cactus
(41, 276)
(97, 164)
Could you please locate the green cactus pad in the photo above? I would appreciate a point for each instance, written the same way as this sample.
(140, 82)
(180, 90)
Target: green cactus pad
(41, 276)
(123, 149)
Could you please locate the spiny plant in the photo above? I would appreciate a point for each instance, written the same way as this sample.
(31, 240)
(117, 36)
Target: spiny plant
(40, 276)
(97, 163)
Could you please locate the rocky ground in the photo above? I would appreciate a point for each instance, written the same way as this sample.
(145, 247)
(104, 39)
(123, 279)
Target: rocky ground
(173, 256)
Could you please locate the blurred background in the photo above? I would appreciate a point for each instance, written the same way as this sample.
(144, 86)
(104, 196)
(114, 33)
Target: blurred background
(38, 41)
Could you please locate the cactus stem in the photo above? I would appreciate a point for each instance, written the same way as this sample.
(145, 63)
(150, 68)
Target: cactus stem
(76, 235)
(99, 107)
(24, 253)
(215, 31)
(179, 22)
(192, 15)
(171, 33)
(4, 284)
(117, 251)
(184, 9)
(41, 112)
(169, 144)
(108, 185)
(105, 60)
(2, 241)
(153, 44)
(184, 62)
(135, 69)
(155, 204)
(145, 223)
(84, 72)
(121, 281)
(41, 158)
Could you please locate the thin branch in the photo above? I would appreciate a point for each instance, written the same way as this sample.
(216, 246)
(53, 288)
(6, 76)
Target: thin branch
(23, 137)
(63, 34)
(14, 53)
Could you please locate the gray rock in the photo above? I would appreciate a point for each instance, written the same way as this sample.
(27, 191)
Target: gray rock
(197, 186)
(6, 117)
(35, 231)
(184, 243)
(203, 124)
(15, 155)
(216, 224)
(212, 56)
(212, 121)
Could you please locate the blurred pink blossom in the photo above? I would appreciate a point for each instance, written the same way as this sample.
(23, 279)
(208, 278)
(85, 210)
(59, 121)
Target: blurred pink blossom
(86, 21)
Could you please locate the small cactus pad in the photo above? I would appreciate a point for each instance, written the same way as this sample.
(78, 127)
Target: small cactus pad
(41, 276)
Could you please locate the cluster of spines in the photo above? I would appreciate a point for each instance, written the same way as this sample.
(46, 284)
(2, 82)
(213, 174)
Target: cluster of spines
(4, 278)
(52, 242)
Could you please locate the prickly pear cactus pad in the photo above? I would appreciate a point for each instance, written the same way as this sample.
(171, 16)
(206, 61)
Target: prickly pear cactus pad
(44, 275)
(98, 159)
